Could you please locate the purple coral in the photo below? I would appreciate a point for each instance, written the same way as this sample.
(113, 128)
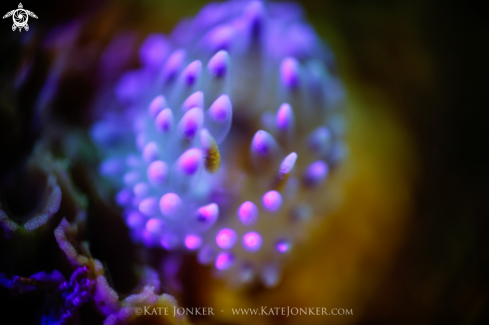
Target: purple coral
(87, 282)
(63, 298)
(227, 130)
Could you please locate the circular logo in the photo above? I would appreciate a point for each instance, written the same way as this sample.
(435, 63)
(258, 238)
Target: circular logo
(20, 17)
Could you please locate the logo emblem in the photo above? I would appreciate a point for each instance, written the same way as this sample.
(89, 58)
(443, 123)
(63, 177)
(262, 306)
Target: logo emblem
(20, 17)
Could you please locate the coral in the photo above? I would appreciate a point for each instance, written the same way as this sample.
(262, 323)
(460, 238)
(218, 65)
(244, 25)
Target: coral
(35, 197)
(62, 298)
(226, 136)
(105, 297)
(89, 283)
(145, 299)
(66, 234)
(50, 201)
(48, 274)
(41, 190)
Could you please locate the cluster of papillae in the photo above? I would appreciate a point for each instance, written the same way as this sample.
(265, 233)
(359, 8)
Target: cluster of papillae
(226, 136)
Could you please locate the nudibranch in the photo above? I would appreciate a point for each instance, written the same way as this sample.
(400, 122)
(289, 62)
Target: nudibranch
(225, 137)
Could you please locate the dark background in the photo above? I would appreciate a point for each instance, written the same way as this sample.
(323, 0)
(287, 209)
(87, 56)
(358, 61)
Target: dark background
(441, 95)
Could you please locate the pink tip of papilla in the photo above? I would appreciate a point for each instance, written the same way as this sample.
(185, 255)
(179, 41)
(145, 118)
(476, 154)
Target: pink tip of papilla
(190, 161)
(154, 226)
(226, 238)
(192, 72)
(164, 121)
(206, 140)
(282, 246)
(218, 64)
(157, 172)
(192, 242)
(154, 50)
(173, 64)
(289, 73)
(191, 123)
(150, 152)
(285, 118)
(219, 38)
(272, 201)
(254, 9)
(288, 163)
(252, 241)
(156, 106)
(141, 189)
(263, 144)
(194, 100)
(224, 260)
(170, 204)
(135, 220)
(248, 213)
(208, 213)
(316, 173)
(221, 110)
(148, 206)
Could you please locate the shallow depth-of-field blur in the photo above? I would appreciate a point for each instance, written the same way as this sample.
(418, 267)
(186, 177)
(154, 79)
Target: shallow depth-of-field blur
(405, 241)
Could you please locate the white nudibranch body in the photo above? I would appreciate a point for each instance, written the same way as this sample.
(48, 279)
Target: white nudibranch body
(226, 137)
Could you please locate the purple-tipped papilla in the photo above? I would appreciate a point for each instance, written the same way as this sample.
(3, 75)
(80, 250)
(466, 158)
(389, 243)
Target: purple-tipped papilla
(150, 152)
(316, 173)
(226, 238)
(154, 226)
(154, 50)
(282, 246)
(148, 206)
(157, 172)
(243, 84)
(208, 213)
(218, 65)
(219, 117)
(252, 241)
(173, 64)
(192, 241)
(224, 261)
(272, 201)
(289, 73)
(194, 100)
(156, 106)
(264, 146)
(141, 190)
(288, 164)
(191, 123)
(164, 121)
(170, 205)
(285, 118)
(248, 213)
(191, 73)
(205, 217)
(189, 162)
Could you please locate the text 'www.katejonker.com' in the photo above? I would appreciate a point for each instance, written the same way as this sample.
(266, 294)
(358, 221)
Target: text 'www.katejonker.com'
(259, 311)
